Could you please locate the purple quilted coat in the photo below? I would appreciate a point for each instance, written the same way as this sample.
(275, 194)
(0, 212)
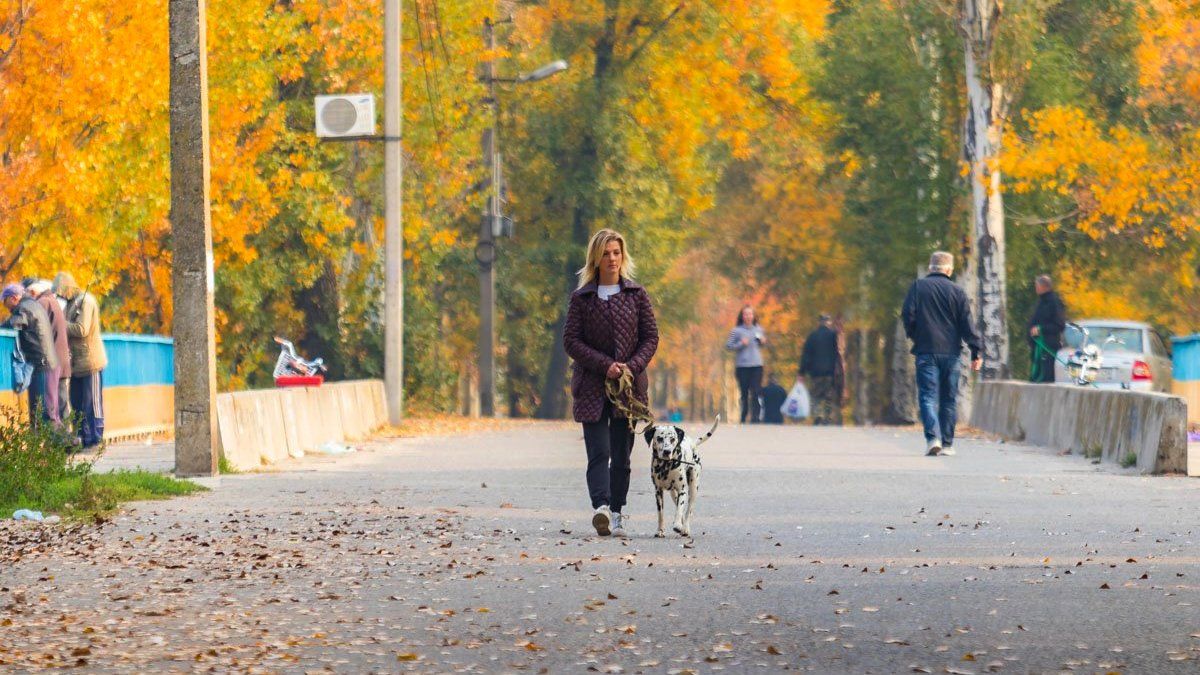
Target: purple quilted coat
(598, 333)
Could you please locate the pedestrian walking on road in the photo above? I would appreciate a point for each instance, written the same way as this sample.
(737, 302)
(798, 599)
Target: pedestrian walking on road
(1046, 328)
(610, 329)
(40, 290)
(36, 341)
(88, 358)
(819, 366)
(937, 319)
(746, 340)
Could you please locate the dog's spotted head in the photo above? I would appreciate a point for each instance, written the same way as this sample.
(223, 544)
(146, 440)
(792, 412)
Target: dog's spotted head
(664, 441)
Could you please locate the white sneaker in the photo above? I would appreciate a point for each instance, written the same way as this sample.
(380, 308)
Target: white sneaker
(933, 447)
(602, 521)
(618, 526)
(948, 451)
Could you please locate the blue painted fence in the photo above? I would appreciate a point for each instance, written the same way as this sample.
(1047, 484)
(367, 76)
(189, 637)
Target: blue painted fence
(133, 360)
(1185, 357)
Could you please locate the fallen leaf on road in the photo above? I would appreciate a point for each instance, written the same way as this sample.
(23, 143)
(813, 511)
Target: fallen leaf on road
(408, 656)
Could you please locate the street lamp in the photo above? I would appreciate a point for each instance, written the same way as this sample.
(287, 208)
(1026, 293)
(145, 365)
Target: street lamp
(493, 223)
(548, 70)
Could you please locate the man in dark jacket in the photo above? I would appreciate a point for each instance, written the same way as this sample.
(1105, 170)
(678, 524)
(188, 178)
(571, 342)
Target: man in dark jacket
(818, 367)
(1046, 328)
(37, 343)
(39, 289)
(937, 318)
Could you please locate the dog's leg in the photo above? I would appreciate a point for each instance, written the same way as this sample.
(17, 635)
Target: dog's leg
(693, 491)
(658, 501)
(681, 504)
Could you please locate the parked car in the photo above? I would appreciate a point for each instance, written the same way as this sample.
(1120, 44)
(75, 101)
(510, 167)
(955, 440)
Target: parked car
(1137, 359)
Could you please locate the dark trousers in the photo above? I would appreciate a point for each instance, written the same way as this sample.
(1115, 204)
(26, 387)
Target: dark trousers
(609, 444)
(1043, 365)
(43, 396)
(87, 399)
(937, 393)
(749, 379)
(825, 399)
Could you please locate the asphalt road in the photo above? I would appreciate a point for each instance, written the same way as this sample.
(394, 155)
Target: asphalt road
(822, 550)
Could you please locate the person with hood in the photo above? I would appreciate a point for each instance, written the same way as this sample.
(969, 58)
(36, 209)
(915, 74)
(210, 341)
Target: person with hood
(1046, 328)
(88, 358)
(37, 344)
(773, 396)
(39, 289)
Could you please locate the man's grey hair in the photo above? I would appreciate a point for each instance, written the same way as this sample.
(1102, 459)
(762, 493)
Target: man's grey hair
(941, 261)
(1044, 281)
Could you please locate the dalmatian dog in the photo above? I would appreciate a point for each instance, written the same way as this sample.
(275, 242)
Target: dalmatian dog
(675, 468)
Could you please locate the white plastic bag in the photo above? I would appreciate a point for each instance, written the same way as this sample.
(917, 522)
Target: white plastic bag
(797, 404)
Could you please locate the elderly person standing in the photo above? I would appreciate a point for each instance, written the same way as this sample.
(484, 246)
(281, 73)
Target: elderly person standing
(37, 343)
(39, 289)
(610, 329)
(88, 358)
(1046, 328)
(937, 318)
(745, 341)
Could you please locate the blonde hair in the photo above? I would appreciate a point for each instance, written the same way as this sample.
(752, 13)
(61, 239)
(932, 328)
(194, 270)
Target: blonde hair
(595, 251)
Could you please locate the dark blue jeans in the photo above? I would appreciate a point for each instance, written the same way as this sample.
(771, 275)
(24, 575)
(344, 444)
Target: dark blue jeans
(937, 392)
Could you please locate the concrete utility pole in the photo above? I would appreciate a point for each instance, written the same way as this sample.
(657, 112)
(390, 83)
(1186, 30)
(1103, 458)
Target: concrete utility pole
(485, 251)
(191, 231)
(393, 304)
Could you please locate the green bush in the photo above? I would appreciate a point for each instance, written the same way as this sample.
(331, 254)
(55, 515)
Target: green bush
(1130, 459)
(38, 471)
(32, 459)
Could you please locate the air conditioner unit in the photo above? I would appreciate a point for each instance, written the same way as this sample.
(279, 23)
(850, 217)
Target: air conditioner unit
(346, 115)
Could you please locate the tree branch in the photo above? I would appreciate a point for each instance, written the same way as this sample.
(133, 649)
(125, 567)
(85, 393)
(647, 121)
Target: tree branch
(654, 33)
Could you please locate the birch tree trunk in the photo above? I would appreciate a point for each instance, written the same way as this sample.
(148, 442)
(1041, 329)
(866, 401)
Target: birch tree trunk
(987, 102)
(903, 406)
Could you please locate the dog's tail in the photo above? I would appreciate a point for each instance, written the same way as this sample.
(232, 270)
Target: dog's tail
(707, 436)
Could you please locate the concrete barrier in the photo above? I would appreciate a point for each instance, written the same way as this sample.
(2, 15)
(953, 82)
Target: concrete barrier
(264, 427)
(1098, 423)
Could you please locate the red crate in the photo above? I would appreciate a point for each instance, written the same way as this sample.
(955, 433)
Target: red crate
(299, 381)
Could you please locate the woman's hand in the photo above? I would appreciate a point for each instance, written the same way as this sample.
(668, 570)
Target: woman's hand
(614, 371)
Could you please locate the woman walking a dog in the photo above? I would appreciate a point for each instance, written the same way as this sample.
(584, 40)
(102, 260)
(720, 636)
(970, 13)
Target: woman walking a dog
(610, 329)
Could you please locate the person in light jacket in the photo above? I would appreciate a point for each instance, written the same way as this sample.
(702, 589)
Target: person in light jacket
(745, 341)
(88, 358)
(610, 329)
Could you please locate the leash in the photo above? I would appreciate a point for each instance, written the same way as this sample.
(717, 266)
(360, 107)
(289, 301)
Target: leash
(621, 394)
(1041, 346)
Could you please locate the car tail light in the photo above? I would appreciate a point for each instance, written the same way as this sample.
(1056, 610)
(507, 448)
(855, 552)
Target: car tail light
(1141, 371)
